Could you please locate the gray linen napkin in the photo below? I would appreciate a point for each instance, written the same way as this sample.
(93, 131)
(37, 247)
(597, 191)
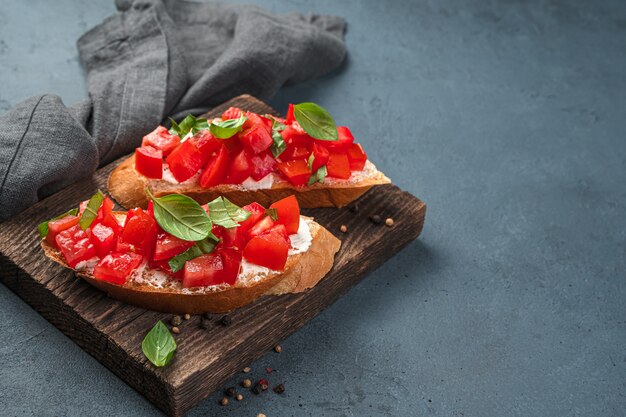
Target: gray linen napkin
(155, 58)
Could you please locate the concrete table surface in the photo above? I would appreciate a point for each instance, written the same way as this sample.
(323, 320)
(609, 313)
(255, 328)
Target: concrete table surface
(509, 120)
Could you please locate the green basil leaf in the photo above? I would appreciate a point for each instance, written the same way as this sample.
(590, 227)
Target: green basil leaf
(318, 176)
(310, 161)
(181, 216)
(91, 211)
(200, 248)
(226, 214)
(159, 345)
(190, 123)
(227, 128)
(272, 213)
(316, 121)
(43, 227)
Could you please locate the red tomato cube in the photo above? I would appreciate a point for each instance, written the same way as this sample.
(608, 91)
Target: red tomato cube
(294, 135)
(288, 213)
(338, 165)
(215, 170)
(192, 155)
(168, 246)
(149, 162)
(75, 245)
(232, 113)
(103, 239)
(320, 156)
(256, 212)
(269, 250)
(290, 117)
(262, 165)
(117, 267)
(240, 168)
(292, 152)
(161, 139)
(256, 138)
(357, 157)
(139, 234)
(231, 261)
(296, 171)
(203, 271)
(263, 225)
(57, 226)
(343, 143)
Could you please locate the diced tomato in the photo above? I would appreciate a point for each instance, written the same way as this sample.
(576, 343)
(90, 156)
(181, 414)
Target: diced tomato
(240, 168)
(232, 113)
(290, 117)
(267, 122)
(338, 165)
(149, 162)
(192, 155)
(106, 217)
(294, 135)
(234, 237)
(150, 211)
(168, 246)
(103, 239)
(292, 152)
(252, 120)
(297, 171)
(262, 164)
(165, 267)
(256, 138)
(320, 155)
(57, 226)
(139, 234)
(343, 143)
(204, 270)
(117, 267)
(231, 261)
(269, 250)
(357, 157)
(263, 225)
(288, 213)
(82, 206)
(256, 212)
(161, 139)
(75, 245)
(215, 170)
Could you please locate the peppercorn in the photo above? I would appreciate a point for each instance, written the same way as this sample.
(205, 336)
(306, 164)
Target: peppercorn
(226, 320)
(256, 390)
(187, 316)
(354, 208)
(343, 228)
(376, 219)
(239, 397)
(208, 316)
(246, 383)
(279, 389)
(278, 349)
(175, 330)
(176, 321)
(204, 323)
(389, 221)
(230, 392)
(224, 401)
(246, 369)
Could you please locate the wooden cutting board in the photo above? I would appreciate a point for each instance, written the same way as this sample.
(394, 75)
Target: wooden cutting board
(112, 331)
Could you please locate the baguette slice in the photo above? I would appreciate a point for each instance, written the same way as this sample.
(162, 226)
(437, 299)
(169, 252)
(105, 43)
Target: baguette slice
(302, 271)
(127, 187)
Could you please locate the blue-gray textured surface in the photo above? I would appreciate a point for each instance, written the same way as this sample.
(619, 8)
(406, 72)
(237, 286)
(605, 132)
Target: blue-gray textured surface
(508, 119)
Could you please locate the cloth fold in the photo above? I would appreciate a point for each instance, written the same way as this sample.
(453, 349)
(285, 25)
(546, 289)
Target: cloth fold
(153, 59)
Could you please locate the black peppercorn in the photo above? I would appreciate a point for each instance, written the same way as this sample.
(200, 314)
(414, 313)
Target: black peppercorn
(176, 320)
(204, 323)
(279, 389)
(257, 389)
(208, 316)
(226, 321)
(354, 208)
(376, 219)
(230, 391)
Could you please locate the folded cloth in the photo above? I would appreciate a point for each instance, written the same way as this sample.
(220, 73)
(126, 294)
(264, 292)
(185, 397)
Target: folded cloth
(156, 58)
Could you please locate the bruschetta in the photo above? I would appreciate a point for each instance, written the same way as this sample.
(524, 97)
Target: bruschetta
(177, 256)
(247, 157)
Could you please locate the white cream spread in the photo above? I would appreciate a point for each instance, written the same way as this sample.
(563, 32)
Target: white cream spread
(87, 265)
(169, 177)
(262, 184)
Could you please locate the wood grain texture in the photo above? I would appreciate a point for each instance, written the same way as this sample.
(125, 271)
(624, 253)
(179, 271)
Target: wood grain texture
(112, 331)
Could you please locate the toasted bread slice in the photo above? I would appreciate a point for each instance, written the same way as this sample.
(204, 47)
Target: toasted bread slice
(127, 187)
(156, 290)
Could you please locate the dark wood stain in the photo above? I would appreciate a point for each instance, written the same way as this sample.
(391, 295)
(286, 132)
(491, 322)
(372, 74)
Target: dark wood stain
(112, 331)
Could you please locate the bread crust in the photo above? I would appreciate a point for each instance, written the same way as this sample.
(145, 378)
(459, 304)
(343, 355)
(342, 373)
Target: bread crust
(302, 271)
(127, 187)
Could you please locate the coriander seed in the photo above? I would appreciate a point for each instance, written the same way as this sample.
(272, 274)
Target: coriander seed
(278, 349)
(175, 330)
(261, 415)
(246, 370)
(246, 383)
(389, 221)
(239, 397)
(187, 316)
(343, 228)
(224, 401)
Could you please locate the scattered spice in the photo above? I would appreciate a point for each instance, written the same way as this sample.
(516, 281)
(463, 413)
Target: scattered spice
(230, 392)
(224, 401)
(268, 370)
(278, 349)
(376, 219)
(175, 330)
(226, 320)
(246, 383)
(389, 221)
(246, 369)
(354, 208)
(343, 228)
(264, 383)
(187, 316)
(279, 389)
(239, 397)
(176, 321)
(204, 323)
(256, 390)
(261, 415)
(208, 316)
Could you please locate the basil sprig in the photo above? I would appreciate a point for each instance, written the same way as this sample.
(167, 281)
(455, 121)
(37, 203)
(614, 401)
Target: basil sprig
(91, 211)
(316, 121)
(227, 128)
(201, 247)
(159, 345)
(42, 228)
(226, 214)
(190, 123)
(181, 216)
(279, 144)
(272, 213)
(318, 176)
